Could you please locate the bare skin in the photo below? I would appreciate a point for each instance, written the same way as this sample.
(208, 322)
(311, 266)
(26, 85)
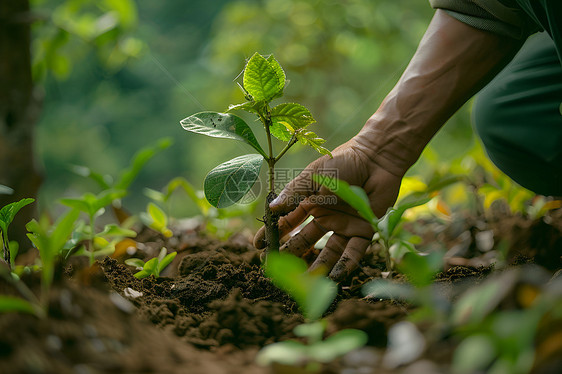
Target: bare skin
(452, 63)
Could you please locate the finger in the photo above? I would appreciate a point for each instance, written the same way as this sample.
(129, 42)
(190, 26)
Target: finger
(286, 224)
(330, 254)
(293, 193)
(302, 241)
(349, 261)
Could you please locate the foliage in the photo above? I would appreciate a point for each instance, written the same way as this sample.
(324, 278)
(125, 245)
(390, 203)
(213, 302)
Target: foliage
(7, 214)
(154, 266)
(97, 243)
(263, 80)
(50, 241)
(314, 293)
(156, 219)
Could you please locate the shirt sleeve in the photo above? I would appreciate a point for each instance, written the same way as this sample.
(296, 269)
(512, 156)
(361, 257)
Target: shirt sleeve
(500, 17)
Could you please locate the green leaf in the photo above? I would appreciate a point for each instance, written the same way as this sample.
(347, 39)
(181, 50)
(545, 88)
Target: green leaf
(104, 181)
(151, 265)
(113, 230)
(136, 262)
(166, 261)
(279, 72)
(291, 115)
(142, 274)
(355, 196)
(261, 79)
(474, 354)
(288, 353)
(311, 139)
(15, 304)
(313, 292)
(158, 216)
(229, 182)
(337, 345)
(221, 125)
(8, 212)
(420, 269)
(387, 224)
(280, 131)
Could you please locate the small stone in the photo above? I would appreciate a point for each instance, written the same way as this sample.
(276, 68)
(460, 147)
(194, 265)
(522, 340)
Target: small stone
(120, 302)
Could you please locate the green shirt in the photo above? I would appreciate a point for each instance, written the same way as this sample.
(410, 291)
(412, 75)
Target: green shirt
(514, 18)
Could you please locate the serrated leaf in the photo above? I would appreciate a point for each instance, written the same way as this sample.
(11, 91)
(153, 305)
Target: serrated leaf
(355, 196)
(280, 131)
(279, 72)
(261, 79)
(230, 181)
(221, 125)
(311, 139)
(291, 115)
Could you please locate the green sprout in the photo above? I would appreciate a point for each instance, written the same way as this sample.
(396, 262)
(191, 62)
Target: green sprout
(154, 266)
(314, 293)
(97, 243)
(7, 214)
(263, 81)
(156, 219)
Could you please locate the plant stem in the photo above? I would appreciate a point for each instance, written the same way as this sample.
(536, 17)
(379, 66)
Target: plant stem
(271, 219)
(289, 145)
(6, 246)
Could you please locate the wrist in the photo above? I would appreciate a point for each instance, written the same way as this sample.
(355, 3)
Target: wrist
(393, 144)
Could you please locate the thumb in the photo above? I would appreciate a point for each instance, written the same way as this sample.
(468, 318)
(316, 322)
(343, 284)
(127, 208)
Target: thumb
(293, 193)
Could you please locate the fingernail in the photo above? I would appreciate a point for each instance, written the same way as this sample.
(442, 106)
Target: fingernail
(276, 201)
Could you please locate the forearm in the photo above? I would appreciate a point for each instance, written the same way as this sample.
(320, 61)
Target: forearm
(452, 63)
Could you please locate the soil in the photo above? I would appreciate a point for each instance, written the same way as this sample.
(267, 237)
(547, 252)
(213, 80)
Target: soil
(213, 309)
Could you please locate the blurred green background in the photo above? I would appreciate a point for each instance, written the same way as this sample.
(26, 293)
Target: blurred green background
(117, 75)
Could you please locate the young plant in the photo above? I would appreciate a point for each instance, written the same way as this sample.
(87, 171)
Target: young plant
(50, 241)
(154, 266)
(314, 293)
(156, 219)
(97, 243)
(7, 214)
(263, 81)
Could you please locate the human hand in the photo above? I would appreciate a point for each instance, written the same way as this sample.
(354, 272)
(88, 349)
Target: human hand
(354, 163)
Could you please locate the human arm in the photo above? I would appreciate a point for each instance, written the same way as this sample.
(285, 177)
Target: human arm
(453, 61)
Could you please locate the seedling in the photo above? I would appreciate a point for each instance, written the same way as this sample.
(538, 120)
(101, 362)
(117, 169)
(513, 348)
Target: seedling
(50, 240)
(263, 81)
(314, 293)
(156, 219)
(97, 244)
(7, 214)
(154, 266)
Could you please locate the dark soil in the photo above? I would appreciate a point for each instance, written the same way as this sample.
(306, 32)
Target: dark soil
(214, 309)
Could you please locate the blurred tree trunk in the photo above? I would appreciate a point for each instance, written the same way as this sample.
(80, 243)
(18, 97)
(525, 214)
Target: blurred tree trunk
(18, 112)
